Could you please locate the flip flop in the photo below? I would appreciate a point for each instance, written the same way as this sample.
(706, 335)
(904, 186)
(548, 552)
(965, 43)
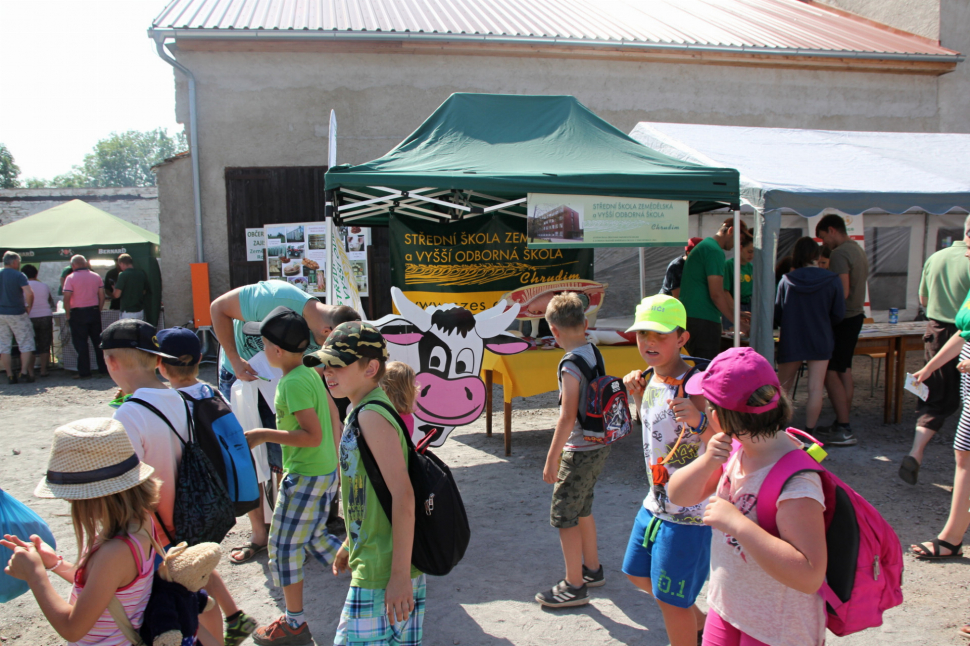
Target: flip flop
(956, 551)
(248, 552)
(909, 470)
(964, 631)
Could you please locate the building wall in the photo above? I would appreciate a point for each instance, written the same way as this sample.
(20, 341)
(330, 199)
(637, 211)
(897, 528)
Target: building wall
(177, 237)
(921, 17)
(136, 205)
(272, 109)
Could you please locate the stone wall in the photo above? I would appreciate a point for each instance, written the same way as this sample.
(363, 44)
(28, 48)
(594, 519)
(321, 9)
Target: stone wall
(136, 205)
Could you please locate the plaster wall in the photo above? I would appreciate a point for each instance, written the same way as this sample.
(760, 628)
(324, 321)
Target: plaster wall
(136, 205)
(177, 238)
(272, 109)
(921, 17)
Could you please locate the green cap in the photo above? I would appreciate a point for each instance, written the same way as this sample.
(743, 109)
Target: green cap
(660, 313)
(348, 343)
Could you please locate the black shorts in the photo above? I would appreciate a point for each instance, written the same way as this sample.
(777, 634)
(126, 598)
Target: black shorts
(944, 384)
(846, 334)
(705, 338)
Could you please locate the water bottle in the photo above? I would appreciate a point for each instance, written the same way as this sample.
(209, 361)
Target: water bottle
(893, 315)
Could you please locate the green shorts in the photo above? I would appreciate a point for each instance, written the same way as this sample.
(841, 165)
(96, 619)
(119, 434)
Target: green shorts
(572, 497)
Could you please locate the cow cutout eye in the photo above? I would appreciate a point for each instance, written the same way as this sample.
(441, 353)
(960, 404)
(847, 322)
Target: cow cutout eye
(465, 362)
(437, 359)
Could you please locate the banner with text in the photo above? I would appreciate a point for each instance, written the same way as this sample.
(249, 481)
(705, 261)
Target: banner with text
(475, 262)
(344, 283)
(561, 221)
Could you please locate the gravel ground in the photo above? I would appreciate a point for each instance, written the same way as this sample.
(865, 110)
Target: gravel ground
(514, 552)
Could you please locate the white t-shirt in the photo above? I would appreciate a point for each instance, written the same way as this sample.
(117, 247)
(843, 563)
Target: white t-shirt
(660, 433)
(741, 592)
(154, 441)
(42, 299)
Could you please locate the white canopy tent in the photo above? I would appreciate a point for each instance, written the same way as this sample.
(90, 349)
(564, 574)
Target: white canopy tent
(811, 171)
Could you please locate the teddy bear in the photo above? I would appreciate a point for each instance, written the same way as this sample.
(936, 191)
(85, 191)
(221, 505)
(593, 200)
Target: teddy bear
(172, 615)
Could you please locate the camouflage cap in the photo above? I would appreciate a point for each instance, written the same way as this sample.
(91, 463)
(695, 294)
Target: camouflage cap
(348, 343)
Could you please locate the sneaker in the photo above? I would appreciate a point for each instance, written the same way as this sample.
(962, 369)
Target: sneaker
(836, 435)
(27, 379)
(239, 628)
(563, 595)
(594, 578)
(279, 633)
(12, 379)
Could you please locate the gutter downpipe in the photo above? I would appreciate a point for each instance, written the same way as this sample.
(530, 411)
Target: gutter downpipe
(193, 139)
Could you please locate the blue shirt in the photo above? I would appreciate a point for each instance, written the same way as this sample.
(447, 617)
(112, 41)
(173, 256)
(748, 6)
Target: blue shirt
(255, 304)
(12, 283)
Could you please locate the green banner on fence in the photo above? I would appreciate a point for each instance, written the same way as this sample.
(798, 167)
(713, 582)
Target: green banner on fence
(475, 262)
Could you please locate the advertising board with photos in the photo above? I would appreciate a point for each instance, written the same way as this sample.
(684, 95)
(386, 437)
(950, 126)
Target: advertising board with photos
(356, 240)
(297, 253)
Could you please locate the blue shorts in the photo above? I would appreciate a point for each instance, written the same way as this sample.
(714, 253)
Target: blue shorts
(677, 558)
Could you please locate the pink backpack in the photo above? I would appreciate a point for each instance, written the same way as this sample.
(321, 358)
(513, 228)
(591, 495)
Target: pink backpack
(865, 560)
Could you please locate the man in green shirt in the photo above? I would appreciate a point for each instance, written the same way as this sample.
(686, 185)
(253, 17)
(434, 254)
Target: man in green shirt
(747, 275)
(131, 289)
(703, 295)
(942, 290)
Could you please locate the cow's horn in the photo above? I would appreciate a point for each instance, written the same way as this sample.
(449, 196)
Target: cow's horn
(410, 311)
(493, 321)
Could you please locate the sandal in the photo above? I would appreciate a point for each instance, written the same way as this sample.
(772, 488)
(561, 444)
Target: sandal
(964, 631)
(246, 553)
(920, 552)
(909, 470)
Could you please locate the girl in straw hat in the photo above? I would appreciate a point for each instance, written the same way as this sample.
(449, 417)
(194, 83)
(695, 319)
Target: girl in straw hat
(112, 494)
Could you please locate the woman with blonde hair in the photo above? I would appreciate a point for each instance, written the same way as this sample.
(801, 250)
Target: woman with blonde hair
(112, 495)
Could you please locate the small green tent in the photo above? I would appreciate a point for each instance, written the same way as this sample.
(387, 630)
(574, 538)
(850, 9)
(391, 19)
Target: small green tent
(479, 153)
(76, 227)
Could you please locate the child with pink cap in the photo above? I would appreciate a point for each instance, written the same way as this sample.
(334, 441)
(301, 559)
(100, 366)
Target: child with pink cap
(762, 588)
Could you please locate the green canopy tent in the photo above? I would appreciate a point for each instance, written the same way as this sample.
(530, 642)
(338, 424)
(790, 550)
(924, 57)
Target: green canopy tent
(76, 227)
(483, 153)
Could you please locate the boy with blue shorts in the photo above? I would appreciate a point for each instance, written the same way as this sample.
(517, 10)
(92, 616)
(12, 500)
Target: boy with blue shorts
(670, 547)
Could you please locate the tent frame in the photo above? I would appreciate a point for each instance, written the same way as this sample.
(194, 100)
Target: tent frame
(352, 205)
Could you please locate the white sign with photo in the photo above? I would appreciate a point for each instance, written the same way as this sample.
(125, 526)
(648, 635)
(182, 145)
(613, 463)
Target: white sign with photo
(297, 253)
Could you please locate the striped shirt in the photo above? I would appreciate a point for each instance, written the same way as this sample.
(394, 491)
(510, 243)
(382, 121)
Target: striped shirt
(133, 598)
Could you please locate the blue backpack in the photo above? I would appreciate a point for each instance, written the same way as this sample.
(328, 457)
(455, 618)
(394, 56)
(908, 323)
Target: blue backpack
(221, 437)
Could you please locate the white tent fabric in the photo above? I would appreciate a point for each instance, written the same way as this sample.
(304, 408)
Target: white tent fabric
(809, 171)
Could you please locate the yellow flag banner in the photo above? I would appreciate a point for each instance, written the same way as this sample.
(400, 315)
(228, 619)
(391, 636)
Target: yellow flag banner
(344, 283)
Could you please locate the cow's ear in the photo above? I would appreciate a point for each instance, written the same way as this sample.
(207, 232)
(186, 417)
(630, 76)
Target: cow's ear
(401, 332)
(506, 344)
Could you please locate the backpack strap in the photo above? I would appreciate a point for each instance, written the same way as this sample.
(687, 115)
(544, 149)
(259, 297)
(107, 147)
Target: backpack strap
(367, 458)
(791, 464)
(188, 416)
(117, 612)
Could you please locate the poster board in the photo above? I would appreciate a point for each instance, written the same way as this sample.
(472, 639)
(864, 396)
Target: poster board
(562, 221)
(356, 240)
(255, 245)
(297, 253)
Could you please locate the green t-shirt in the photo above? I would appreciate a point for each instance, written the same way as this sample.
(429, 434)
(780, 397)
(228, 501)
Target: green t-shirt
(255, 303)
(963, 319)
(945, 282)
(64, 274)
(704, 260)
(132, 283)
(369, 530)
(302, 389)
(746, 280)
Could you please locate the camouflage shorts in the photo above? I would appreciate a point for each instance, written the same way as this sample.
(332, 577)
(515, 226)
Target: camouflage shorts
(572, 497)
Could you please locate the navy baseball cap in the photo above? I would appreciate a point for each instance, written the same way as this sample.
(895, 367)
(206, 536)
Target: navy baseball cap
(181, 343)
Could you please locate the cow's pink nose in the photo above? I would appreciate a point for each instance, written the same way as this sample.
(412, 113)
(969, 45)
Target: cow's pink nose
(449, 401)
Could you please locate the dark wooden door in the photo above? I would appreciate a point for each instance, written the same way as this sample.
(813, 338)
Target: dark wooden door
(256, 197)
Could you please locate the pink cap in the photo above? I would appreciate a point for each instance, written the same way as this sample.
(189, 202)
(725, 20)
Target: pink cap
(732, 378)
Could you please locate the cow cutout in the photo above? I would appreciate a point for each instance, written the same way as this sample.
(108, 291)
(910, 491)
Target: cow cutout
(444, 345)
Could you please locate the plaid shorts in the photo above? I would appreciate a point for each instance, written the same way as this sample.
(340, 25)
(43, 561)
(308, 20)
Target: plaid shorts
(300, 525)
(363, 621)
(16, 326)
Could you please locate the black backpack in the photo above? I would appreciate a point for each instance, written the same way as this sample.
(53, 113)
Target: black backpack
(441, 531)
(220, 435)
(203, 511)
(606, 417)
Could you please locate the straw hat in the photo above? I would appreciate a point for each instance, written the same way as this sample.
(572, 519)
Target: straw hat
(91, 458)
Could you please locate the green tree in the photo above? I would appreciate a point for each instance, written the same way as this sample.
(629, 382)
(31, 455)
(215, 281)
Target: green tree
(36, 182)
(124, 159)
(9, 171)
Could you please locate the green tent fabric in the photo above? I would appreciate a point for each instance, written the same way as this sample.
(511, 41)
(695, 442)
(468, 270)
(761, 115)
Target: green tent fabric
(511, 145)
(76, 227)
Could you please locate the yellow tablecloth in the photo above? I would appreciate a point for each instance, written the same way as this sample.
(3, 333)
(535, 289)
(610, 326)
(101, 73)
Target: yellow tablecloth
(534, 371)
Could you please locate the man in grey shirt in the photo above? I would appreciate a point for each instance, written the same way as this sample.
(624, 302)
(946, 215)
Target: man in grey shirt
(849, 262)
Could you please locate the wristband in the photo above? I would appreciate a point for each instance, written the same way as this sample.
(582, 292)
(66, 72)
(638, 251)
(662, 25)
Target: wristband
(346, 547)
(60, 561)
(701, 425)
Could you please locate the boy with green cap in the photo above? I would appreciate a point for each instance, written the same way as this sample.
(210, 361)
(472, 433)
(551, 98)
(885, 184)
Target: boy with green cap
(668, 554)
(385, 604)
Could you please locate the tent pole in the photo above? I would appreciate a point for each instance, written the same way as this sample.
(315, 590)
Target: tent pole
(643, 278)
(737, 278)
